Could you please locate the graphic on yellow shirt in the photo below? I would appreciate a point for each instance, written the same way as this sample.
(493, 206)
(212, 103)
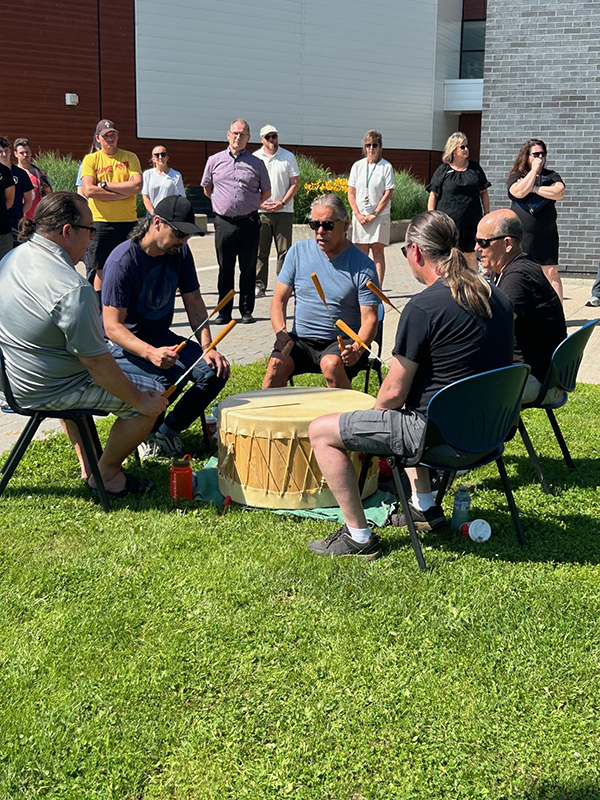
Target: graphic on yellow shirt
(112, 169)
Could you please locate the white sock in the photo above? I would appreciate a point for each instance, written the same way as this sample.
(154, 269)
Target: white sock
(423, 501)
(360, 535)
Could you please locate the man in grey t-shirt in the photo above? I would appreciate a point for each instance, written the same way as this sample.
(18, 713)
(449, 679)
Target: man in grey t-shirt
(343, 272)
(54, 349)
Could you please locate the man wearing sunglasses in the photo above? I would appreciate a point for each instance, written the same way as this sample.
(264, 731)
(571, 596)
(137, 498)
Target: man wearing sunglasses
(539, 317)
(343, 272)
(141, 277)
(276, 213)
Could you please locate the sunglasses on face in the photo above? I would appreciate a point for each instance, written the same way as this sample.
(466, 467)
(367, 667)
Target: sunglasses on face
(160, 155)
(86, 228)
(463, 146)
(405, 247)
(270, 137)
(326, 224)
(374, 145)
(484, 243)
(538, 155)
(179, 234)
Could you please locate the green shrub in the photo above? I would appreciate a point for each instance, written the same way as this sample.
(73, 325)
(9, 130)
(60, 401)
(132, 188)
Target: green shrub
(62, 170)
(409, 198)
(310, 172)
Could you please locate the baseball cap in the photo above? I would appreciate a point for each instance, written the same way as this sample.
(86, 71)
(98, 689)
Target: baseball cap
(105, 125)
(179, 211)
(268, 129)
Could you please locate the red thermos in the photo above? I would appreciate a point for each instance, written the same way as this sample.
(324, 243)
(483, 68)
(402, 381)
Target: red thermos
(182, 479)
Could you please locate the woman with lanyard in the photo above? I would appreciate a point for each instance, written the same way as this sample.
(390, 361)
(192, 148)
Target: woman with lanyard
(370, 188)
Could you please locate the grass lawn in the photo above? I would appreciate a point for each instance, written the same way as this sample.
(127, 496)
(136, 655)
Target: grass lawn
(170, 653)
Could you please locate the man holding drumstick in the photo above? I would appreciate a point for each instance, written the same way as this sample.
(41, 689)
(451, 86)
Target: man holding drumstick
(343, 273)
(141, 277)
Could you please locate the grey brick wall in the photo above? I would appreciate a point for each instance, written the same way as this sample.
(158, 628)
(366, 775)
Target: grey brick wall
(542, 80)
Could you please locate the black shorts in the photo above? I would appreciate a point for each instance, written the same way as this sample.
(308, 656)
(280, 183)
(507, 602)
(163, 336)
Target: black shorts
(307, 354)
(108, 235)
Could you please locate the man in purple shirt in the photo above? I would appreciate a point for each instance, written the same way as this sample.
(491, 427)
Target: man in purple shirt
(237, 183)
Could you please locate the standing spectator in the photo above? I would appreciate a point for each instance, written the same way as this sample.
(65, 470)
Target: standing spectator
(37, 176)
(7, 197)
(594, 300)
(237, 184)
(23, 189)
(78, 182)
(533, 191)
(277, 213)
(111, 178)
(370, 188)
(459, 187)
(161, 181)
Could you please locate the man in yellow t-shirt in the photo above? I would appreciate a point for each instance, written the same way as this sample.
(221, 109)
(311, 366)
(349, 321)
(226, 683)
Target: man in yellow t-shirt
(110, 178)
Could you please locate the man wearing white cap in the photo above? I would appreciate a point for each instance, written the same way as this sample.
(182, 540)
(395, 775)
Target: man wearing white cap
(276, 213)
(110, 178)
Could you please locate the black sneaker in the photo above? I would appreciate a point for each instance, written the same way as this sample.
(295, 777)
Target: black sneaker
(247, 318)
(429, 520)
(341, 543)
(221, 320)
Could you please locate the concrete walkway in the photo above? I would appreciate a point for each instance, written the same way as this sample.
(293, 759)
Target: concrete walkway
(247, 343)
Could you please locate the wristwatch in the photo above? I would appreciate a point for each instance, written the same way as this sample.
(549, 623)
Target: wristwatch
(103, 184)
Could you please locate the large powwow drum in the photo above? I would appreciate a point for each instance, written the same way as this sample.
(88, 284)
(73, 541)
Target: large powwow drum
(265, 456)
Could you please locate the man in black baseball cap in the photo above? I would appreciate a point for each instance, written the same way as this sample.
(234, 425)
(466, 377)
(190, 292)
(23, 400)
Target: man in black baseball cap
(141, 277)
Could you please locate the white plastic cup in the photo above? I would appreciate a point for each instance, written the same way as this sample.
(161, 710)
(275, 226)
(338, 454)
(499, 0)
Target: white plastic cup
(478, 530)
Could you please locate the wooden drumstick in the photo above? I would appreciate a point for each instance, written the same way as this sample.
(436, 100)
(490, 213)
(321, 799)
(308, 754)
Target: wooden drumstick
(229, 296)
(321, 293)
(381, 295)
(349, 332)
(230, 325)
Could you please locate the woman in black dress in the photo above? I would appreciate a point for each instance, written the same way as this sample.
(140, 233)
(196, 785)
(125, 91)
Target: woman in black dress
(459, 187)
(533, 191)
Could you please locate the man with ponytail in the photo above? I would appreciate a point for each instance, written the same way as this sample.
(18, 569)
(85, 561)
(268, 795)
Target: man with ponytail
(53, 343)
(457, 327)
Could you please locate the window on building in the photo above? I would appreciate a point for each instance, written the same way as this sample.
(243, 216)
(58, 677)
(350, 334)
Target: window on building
(473, 48)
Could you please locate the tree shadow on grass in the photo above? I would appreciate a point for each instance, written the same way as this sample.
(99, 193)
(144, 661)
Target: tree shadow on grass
(555, 790)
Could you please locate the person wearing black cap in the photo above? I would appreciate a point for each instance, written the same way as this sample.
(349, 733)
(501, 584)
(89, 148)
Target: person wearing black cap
(141, 277)
(110, 180)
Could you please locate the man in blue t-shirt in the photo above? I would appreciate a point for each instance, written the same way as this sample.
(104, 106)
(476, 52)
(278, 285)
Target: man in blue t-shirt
(343, 272)
(141, 277)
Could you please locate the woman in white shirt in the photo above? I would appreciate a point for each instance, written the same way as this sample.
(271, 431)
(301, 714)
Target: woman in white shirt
(160, 182)
(370, 188)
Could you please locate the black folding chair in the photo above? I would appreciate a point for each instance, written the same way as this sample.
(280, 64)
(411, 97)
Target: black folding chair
(562, 374)
(83, 418)
(467, 425)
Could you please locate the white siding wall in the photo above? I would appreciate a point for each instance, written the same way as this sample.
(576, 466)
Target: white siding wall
(323, 71)
(447, 65)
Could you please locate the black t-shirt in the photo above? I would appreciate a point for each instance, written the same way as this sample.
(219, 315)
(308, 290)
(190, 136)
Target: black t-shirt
(6, 182)
(449, 343)
(540, 320)
(23, 184)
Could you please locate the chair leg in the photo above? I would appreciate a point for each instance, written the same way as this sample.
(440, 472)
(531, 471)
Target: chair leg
(511, 502)
(16, 454)
(414, 539)
(363, 472)
(560, 438)
(534, 459)
(367, 377)
(93, 431)
(205, 433)
(90, 452)
(447, 481)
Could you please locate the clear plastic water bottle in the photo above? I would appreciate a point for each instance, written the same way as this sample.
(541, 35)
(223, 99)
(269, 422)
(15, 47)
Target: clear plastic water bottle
(461, 508)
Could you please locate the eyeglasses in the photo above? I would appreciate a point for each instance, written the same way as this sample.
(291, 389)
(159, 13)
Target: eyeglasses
(374, 145)
(236, 133)
(271, 137)
(483, 243)
(179, 234)
(86, 228)
(160, 155)
(326, 224)
(463, 146)
(538, 154)
(405, 247)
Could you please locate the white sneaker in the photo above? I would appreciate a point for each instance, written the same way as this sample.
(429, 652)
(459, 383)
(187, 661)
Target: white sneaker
(161, 445)
(593, 301)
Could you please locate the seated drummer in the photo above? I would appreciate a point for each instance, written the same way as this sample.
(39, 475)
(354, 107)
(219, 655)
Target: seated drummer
(343, 271)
